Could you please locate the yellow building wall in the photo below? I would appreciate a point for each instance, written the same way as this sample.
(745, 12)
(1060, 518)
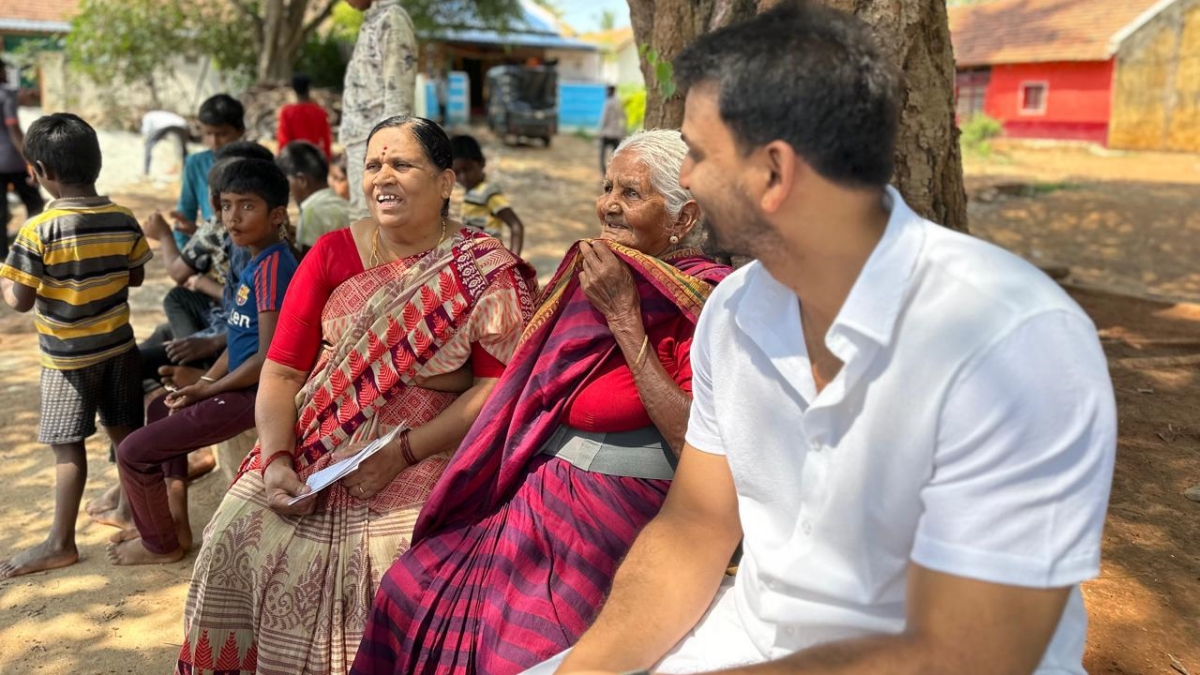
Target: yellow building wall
(1156, 84)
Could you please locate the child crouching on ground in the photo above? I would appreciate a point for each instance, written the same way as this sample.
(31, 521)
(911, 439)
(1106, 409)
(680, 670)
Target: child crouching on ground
(75, 263)
(484, 206)
(253, 208)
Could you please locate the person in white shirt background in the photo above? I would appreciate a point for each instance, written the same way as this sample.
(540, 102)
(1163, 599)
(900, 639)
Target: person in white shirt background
(911, 431)
(157, 125)
(612, 126)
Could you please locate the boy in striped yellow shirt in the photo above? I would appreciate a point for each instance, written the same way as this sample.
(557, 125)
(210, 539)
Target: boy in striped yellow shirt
(74, 264)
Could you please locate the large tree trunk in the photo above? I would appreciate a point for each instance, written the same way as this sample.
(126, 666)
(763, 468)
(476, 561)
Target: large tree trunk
(914, 33)
(282, 31)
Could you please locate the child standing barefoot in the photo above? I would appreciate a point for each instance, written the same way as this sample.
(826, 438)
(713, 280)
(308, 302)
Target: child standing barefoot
(75, 263)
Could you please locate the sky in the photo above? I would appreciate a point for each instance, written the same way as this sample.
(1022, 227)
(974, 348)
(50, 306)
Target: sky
(584, 15)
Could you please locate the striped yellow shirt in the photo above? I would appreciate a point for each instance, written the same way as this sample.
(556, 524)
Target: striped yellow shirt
(77, 255)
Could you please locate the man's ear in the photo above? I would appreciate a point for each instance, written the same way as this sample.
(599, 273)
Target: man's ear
(279, 215)
(41, 171)
(782, 166)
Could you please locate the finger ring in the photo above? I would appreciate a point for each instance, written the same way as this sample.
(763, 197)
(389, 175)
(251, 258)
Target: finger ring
(360, 490)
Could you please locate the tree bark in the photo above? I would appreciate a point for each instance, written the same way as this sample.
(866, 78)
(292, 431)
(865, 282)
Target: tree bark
(283, 31)
(915, 34)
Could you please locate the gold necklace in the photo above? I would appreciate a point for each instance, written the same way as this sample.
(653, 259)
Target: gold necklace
(375, 243)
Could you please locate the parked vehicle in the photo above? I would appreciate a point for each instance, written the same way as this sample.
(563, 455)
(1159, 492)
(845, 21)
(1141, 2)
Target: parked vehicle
(523, 102)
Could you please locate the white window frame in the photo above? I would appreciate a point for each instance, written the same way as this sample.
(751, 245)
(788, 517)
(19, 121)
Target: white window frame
(1025, 110)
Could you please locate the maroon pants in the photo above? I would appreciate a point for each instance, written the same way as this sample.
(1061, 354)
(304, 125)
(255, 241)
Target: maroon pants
(159, 450)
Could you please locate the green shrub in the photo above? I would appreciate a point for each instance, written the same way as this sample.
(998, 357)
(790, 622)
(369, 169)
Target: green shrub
(977, 134)
(633, 98)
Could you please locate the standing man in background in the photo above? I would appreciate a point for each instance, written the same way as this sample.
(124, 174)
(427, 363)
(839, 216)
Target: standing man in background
(157, 125)
(13, 170)
(612, 127)
(381, 81)
(304, 120)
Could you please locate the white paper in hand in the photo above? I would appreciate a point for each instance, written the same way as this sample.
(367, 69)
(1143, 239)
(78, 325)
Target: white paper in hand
(334, 472)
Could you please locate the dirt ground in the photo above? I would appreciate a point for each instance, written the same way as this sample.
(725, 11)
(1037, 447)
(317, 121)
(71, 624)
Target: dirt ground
(1124, 222)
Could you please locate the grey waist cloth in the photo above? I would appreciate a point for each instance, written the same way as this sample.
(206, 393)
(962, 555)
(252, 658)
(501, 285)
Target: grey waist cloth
(641, 453)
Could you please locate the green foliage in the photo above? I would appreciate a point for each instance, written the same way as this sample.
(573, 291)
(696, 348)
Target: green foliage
(344, 23)
(664, 72)
(633, 98)
(126, 39)
(608, 20)
(977, 135)
(321, 60)
(133, 40)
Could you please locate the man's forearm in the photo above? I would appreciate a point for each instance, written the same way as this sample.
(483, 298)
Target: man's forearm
(665, 585)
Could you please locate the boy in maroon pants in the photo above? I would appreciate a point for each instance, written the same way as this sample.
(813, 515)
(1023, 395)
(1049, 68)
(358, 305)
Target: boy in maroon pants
(253, 206)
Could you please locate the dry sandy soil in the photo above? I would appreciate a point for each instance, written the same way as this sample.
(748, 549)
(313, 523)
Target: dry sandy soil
(1126, 222)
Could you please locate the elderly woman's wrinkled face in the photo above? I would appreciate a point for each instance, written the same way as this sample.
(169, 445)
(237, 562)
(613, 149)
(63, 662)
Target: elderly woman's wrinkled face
(633, 213)
(401, 184)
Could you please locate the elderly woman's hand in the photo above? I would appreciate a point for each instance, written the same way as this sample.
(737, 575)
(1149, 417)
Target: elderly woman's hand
(608, 284)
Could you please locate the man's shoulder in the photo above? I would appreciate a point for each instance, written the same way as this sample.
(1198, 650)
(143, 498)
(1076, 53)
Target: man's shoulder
(969, 271)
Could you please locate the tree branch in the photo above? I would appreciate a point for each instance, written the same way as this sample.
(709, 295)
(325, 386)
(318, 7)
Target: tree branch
(318, 19)
(249, 12)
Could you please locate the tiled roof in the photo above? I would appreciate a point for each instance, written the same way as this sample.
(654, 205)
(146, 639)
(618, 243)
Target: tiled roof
(1029, 31)
(37, 14)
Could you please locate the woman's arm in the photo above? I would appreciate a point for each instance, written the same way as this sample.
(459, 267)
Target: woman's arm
(441, 433)
(609, 286)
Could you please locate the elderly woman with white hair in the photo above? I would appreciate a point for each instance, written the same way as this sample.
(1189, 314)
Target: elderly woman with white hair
(573, 452)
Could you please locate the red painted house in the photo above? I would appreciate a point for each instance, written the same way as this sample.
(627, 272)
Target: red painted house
(1077, 69)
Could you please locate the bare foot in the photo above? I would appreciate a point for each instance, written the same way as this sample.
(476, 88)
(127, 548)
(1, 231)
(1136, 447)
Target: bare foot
(118, 517)
(105, 502)
(133, 553)
(201, 462)
(124, 535)
(44, 556)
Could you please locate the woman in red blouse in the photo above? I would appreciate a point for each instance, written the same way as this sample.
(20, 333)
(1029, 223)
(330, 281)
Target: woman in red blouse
(573, 452)
(378, 316)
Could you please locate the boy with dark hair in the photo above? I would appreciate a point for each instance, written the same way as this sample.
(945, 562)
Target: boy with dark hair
(304, 120)
(253, 205)
(179, 351)
(222, 121)
(75, 263)
(484, 205)
(321, 209)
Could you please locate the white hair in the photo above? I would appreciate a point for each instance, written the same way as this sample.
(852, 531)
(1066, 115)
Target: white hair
(663, 151)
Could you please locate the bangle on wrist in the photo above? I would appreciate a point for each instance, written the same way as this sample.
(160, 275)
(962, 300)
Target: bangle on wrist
(406, 449)
(210, 380)
(642, 351)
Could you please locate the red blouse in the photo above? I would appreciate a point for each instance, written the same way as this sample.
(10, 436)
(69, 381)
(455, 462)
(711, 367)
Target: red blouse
(609, 399)
(330, 262)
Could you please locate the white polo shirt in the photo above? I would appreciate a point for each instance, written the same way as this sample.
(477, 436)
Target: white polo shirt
(971, 430)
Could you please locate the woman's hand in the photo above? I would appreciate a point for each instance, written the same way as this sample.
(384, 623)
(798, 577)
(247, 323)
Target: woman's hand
(282, 484)
(374, 474)
(189, 395)
(608, 284)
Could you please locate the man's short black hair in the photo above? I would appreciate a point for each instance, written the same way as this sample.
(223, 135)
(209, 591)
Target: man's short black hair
(223, 110)
(466, 147)
(67, 146)
(807, 75)
(254, 177)
(301, 158)
(301, 84)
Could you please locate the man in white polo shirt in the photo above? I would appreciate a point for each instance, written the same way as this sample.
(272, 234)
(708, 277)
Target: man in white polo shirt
(911, 431)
